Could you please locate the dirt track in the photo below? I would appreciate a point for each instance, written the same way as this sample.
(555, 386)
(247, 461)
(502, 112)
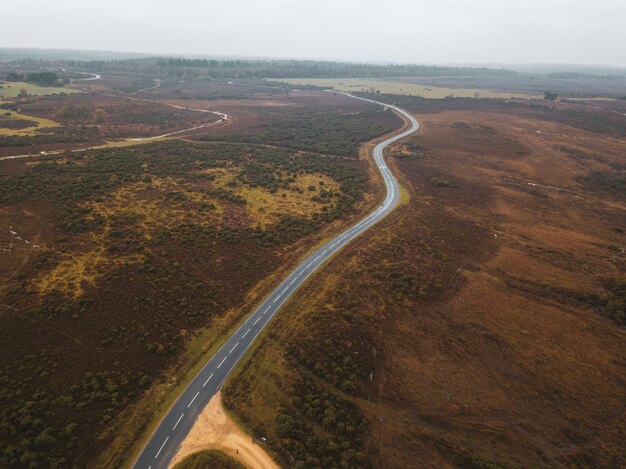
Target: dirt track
(215, 430)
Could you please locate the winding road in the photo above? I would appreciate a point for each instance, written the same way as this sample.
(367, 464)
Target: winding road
(176, 424)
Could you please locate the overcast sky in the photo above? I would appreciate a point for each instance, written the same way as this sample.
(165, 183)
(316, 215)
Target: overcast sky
(415, 31)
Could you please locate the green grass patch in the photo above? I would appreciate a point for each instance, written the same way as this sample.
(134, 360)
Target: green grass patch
(38, 123)
(13, 89)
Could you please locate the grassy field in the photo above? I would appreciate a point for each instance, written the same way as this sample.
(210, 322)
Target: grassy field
(13, 89)
(38, 123)
(414, 89)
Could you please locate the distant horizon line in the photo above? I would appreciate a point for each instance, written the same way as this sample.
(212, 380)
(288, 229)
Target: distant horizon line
(134, 54)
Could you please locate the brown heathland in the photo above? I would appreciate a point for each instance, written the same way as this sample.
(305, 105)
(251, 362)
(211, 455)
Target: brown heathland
(122, 268)
(478, 326)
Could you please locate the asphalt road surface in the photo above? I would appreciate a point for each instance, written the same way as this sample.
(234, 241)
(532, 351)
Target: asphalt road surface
(168, 436)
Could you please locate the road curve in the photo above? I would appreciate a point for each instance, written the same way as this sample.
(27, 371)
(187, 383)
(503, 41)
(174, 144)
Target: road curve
(91, 77)
(222, 118)
(176, 424)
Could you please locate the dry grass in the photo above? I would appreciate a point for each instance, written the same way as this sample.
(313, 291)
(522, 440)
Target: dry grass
(265, 207)
(137, 200)
(413, 89)
(145, 203)
(76, 271)
(39, 123)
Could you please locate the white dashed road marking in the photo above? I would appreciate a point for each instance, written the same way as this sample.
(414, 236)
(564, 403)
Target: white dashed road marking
(178, 421)
(157, 455)
(194, 398)
(303, 271)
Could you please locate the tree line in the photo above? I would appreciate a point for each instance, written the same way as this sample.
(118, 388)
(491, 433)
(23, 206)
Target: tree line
(239, 68)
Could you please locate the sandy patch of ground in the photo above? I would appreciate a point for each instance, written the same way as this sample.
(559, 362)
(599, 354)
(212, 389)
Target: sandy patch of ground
(215, 430)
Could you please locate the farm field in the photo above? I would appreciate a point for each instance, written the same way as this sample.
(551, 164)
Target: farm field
(412, 89)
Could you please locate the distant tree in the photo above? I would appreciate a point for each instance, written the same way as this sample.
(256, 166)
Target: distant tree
(100, 117)
(43, 78)
(550, 96)
(81, 112)
(23, 93)
(15, 77)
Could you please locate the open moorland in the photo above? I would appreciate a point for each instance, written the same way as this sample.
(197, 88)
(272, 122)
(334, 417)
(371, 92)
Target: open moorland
(50, 123)
(482, 324)
(121, 267)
